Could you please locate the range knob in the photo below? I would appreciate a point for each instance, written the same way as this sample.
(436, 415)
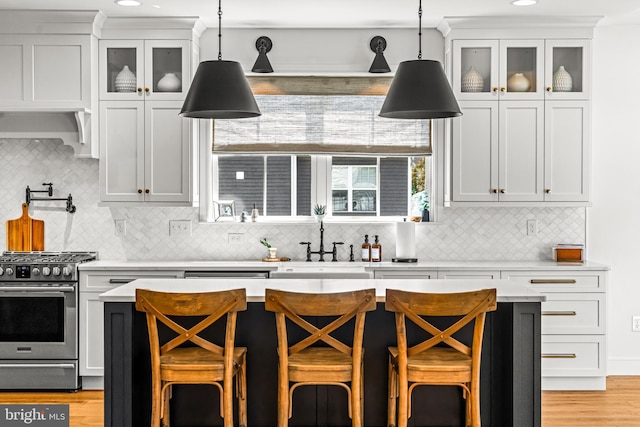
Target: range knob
(9, 271)
(56, 271)
(46, 271)
(66, 271)
(35, 271)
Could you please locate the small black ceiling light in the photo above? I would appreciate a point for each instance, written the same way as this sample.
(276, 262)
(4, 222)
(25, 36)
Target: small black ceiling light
(420, 89)
(262, 65)
(219, 89)
(379, 65)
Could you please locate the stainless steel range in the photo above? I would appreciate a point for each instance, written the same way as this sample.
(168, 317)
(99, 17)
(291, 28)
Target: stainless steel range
(39, 320)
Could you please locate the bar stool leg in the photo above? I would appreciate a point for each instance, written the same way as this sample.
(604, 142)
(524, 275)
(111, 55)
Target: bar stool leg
(392, 395)
(242, 385)
(283, 399)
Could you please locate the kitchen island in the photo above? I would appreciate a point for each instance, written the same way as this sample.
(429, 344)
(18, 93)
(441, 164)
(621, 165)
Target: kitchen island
(510, 373)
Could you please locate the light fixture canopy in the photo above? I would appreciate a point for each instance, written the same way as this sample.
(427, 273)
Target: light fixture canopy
(420, 89)
(220, 89)
(523, 2)
(262, 65)
(379, 65)
(127, 2)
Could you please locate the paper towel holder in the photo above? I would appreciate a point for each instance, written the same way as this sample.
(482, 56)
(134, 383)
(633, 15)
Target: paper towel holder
(404, 259)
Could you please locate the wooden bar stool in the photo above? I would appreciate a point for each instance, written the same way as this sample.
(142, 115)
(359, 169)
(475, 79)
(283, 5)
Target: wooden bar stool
(336, 363)
(205, 363)
(427, 363)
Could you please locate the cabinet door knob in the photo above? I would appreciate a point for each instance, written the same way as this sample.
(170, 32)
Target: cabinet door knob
(139, 89)
(494, 190)
(549, 89)
(139, 190)
(146, 89)
(146, 190)
(548, 190)
(495, 89)
(503, 89)
(502, 190)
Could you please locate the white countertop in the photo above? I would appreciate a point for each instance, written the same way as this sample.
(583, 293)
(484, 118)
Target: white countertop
(240, 265)
(507, 290)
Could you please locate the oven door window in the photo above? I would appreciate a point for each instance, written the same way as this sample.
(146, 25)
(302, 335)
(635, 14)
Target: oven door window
(32, 319)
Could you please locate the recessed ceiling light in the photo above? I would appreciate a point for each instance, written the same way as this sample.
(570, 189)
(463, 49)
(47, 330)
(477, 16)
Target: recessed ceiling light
(523, 2)
(157, 6)
(127, 2)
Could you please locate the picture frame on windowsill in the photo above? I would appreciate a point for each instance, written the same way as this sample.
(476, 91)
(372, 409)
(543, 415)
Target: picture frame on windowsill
(224, 210)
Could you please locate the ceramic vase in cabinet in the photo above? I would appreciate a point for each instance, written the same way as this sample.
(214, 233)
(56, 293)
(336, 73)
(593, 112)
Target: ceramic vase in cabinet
(125, 80)
(518, 83)
(472, 81)
(562, 81)
(169, 83)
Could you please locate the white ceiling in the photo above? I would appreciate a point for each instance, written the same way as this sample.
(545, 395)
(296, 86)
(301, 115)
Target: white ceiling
(342, 13)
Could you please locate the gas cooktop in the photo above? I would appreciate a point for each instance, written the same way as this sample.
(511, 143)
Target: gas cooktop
(42, 266)
(47, 257)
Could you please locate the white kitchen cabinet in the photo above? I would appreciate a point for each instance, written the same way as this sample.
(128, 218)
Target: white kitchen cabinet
(146, 148)
(408, 273)
(42, 72)
(145, 154)
(526, 145)
(160, 69)
(91, 330)
(573, 327)
(498, 151)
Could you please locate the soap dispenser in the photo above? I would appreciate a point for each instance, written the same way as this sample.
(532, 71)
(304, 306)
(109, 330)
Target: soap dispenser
(366, 249)
(376, 250)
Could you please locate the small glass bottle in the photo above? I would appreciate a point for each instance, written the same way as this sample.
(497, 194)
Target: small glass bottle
(254, 213)
(376, 251)
(366, 249)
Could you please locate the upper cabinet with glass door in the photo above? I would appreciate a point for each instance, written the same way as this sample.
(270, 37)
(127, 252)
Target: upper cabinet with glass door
(144, 69)
(504, 69)
(567, 72)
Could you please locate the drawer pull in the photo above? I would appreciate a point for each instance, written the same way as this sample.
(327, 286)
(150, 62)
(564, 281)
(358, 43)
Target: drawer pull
(553, 281)
(559, 313)
(559, 355)
(120, 281)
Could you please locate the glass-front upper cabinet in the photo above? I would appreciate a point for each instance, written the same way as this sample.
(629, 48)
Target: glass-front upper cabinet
(567, 73)
(144, 69)
(504, 69)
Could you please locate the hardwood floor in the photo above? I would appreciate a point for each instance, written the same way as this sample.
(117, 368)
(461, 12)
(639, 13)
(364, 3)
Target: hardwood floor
(616, 407)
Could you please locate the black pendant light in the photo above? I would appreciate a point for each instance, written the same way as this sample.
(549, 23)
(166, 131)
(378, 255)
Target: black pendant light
(262, 65)
(420, 89)
(219, 89)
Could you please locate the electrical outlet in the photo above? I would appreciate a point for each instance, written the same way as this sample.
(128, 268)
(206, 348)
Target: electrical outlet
(235, 238)
(180, 227)
(532, 227)
(636, 324)
(121, 227)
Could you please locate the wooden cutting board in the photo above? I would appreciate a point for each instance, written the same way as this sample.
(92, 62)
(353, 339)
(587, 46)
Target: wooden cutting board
(25, 234)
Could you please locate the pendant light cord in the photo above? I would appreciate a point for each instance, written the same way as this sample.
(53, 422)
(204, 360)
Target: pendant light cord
(220, 29)
(420, 30)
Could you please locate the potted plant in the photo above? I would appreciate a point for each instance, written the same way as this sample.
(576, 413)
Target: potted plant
(272, 250)
(320, 211)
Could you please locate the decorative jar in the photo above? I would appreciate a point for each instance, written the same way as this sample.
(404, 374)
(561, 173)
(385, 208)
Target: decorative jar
(562, 81)
(169, 83)
(125, 80)
(472, 81)
(518, 83)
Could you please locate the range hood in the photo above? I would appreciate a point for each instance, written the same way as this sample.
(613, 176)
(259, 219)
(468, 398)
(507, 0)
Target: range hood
(72, 126)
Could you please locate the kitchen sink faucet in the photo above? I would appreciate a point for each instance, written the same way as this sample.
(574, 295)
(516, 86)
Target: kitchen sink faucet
(321, 251)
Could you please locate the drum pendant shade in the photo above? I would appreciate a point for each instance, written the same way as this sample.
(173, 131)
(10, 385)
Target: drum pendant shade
(420, 90)
(219, 90)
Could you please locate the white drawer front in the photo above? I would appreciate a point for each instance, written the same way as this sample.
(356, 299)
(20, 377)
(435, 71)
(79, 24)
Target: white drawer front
(557, 281)
(405, 274)
(573, 356)
(467, 274)
(572, 313)
(104, 281)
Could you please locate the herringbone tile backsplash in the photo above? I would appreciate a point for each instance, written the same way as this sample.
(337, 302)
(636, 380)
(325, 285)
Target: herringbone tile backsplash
(478, 234)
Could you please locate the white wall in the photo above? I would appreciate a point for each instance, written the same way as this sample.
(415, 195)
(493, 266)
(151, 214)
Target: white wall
(613, 226)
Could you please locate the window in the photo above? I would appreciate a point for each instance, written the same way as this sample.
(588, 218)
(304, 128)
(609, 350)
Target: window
(289, 185)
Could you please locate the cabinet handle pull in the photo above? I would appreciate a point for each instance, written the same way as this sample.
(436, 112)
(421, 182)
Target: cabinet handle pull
(552, 281)
(549, 89)
(120, 281)
(503, 89)
(558, 355)
(494, 190)
(502, 190)
(139, 89)
(548, 190)
(558, 313)
(146, 190)
(139, 190)
(495, 89)
(146, 89)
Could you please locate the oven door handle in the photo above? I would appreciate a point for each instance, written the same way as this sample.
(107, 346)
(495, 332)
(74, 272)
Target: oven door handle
(38, 365)
(37, 289)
